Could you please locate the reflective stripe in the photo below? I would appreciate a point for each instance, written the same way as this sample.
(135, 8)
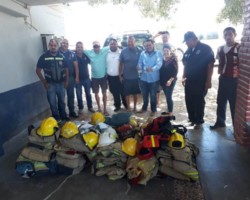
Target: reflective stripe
(152, 140)
(53, 58)
(191, 173)
(58, 58)
(49, 58)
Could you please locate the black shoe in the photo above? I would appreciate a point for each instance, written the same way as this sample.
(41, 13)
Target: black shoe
(91, 110)
(116, 109)
(215, 126)
(74, 115)
(65, 119)
(197, 126)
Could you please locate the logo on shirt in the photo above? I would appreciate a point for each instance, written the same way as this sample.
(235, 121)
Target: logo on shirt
(60, 62)
(198, 52)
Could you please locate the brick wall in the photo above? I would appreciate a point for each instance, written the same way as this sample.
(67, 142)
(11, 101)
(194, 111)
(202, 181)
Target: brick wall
(242, 113)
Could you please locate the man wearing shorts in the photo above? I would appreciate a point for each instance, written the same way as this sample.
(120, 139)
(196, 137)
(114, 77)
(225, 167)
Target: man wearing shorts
(97, 58)
(128, 72)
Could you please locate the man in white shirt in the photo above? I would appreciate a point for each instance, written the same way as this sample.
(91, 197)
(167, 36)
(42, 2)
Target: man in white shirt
(115, 85)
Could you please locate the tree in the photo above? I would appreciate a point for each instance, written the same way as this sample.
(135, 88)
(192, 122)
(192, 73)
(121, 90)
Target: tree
(233, 11)
(159, 9)
(149, 8)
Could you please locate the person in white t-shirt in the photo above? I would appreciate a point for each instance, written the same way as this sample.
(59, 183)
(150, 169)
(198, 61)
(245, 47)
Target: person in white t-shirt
(115, 85)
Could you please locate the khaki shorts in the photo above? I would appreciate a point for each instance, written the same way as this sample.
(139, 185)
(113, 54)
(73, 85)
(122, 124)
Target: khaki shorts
(102, 82)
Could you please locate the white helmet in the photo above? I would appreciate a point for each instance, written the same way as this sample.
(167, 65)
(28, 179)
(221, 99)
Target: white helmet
(108, 137)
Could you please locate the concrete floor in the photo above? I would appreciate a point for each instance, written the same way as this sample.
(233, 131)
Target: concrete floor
(223, 165)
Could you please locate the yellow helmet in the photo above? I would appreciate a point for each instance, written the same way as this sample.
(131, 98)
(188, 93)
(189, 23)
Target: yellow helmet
(133, 121)
(69, 130)
(97, 118)
(47, 127)
(91, 139)
(129, 146)
(176, 141)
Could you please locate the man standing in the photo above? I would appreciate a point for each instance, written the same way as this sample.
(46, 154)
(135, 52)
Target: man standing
(198, 64)
(149, 64)
(229, 72)
(73, 75)
(99, 73)
(128, 72)
(115, 84)
(84, 79)
(55, 79)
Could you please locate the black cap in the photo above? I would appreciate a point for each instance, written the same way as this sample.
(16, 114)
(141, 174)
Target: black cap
(189, 35)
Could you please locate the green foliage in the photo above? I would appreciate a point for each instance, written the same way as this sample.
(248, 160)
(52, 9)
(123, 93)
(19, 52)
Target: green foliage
(156, 8)
(159, 9)
(149, 8)
(233, 11)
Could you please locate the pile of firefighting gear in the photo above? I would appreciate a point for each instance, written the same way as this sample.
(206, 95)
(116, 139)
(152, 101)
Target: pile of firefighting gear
(117, 147)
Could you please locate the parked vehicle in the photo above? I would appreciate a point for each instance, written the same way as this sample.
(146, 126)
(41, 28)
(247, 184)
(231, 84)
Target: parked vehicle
(140, 37)
(122, 38)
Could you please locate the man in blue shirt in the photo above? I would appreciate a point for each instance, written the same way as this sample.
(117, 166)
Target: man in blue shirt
(84, 79)
(55, 79)
(128, 72)
(149, 66)
(73, 75)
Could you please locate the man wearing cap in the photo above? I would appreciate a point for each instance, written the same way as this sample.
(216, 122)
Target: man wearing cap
(97, 58)
(198, 64)
(149, 65)
(115, 85)
(72, 64)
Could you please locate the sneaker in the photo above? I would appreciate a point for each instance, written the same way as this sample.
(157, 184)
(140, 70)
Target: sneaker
(74, 115)
(91, 110)
(217, 125)
(116, 109)
(80, 111)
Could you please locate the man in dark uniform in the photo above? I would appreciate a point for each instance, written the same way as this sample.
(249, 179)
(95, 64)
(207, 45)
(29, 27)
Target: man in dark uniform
(198, 64)
(71, 60)
(55, 79)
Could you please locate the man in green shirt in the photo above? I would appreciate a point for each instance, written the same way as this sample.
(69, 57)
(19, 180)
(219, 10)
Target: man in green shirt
(97, 58)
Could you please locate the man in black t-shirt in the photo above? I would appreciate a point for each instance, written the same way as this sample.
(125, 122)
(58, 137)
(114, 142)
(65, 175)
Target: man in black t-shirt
(55, 79)
(198, 64)
(84, 79)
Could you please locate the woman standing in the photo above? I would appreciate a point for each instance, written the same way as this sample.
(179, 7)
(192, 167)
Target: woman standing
(168, 75)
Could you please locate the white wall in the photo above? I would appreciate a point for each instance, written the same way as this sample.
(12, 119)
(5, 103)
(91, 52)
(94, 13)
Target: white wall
(22, 46)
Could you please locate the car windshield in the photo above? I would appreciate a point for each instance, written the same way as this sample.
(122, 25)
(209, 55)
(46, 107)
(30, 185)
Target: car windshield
(209, 36)
(123, 39)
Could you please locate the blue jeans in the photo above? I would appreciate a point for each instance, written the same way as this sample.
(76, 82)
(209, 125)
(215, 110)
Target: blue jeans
(87, 86)
(71, 94)
(168, 91)
(149, 89)
(56, 95)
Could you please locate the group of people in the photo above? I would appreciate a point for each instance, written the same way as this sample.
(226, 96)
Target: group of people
(130, 71)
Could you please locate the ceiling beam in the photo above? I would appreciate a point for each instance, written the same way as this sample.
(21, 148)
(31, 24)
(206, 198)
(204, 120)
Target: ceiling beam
(14, 9)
